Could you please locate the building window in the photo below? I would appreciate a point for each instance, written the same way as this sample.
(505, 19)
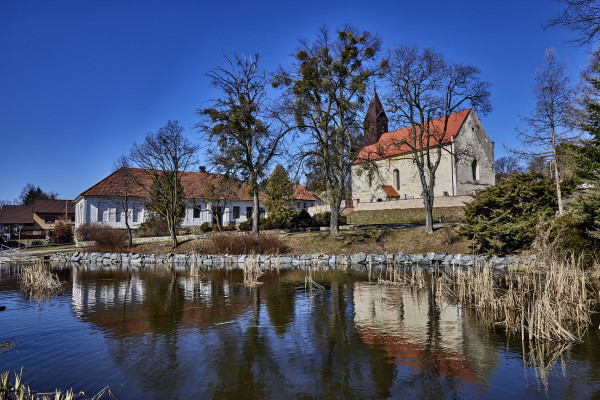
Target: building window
(49, 220)
(304, 204)
(118, 216)
(261, 213)
(236, 212)
(397, 179)
(197, 211)
(248, 212)
(475, 170)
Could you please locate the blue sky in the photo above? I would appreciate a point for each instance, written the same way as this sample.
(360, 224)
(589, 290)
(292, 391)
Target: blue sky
(81, 81)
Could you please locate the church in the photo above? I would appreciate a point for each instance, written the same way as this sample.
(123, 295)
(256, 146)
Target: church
(384, 169)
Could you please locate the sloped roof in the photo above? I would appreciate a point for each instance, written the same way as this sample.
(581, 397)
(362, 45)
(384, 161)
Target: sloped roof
(53, 206)
(301, 193)
(398, 142)
(16, 215)
(194, 184)
(389, 191)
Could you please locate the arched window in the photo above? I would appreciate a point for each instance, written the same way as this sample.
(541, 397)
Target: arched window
(475, 169)
(397, 179)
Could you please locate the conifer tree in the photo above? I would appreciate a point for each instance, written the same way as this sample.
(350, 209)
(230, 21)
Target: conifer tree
(279, 193)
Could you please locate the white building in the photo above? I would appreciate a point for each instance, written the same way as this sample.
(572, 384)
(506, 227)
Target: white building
(104, 202)
(384, 169)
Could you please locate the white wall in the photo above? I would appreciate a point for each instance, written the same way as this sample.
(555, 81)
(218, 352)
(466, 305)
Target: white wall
(110, 211)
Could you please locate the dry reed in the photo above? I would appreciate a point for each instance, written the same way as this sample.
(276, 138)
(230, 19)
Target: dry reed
(551, 300)
(252, 272)
(38, 282)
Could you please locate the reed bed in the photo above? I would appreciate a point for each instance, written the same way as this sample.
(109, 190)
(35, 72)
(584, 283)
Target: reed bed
(252, 272)
(38, 282)
(550, 300)
(15, 389)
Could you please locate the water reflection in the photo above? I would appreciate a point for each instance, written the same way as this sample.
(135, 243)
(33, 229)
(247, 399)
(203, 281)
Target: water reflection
(157, 333)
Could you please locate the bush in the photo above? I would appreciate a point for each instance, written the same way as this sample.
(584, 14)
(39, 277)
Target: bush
(324, 219)
(243, 244)
(37, 242)
(62, 233)
(205, 227)
(246, 226)
(503, 218)
(106, 238)
(154, 226)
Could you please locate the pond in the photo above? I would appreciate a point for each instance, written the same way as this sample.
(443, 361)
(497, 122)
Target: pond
(168, 334)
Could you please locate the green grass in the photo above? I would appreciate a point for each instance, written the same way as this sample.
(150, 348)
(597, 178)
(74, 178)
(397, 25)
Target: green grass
(408, 215)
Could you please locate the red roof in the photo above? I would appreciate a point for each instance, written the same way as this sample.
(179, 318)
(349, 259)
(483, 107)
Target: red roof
(301, 193)
(400, 141)
(390, 191)
(194, 184)
(16, 215)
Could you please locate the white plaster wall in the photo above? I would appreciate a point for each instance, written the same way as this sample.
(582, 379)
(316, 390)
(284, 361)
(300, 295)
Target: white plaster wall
(410, 183)
(88, 209)
(473, 143)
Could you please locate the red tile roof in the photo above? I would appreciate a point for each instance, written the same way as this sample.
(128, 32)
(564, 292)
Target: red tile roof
(301, 193)
(53, 206)
(194, 184)
(16, 215)
(390, 191)
(398, 142)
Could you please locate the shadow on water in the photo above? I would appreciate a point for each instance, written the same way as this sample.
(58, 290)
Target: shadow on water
(161, 333)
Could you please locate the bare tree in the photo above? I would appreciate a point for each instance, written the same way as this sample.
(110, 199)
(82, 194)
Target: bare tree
(241, 134)
(550, 121)
(127, 183)
(506, 167)
(582, 17)
(218, 192)
(325, 94)
(424, 86)
(164, 156)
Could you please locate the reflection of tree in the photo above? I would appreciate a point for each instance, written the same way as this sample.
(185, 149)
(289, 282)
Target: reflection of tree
(280, 305)
(152, 360)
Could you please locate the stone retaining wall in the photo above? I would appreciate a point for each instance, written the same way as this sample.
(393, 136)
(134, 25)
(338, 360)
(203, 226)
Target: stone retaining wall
(340, 261)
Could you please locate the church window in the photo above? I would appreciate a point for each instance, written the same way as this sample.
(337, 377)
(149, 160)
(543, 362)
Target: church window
(475, 170)
(397, 179)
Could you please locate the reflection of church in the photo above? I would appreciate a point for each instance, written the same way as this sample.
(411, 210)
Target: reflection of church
(419, 330)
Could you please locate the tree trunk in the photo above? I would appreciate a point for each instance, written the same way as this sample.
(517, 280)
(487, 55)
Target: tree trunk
(556, 176)
(255, 212)
(334, 220)
(428, 203)
(172, 232)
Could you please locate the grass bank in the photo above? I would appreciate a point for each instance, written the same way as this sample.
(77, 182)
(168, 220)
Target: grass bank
(408, 215)
(347, 242)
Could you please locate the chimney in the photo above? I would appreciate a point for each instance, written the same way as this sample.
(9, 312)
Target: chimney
(202, 168)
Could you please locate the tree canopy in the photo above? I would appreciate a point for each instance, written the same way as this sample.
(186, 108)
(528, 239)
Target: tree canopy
(325, 93)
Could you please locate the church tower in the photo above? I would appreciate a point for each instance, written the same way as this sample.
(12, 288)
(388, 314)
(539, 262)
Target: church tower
(376, 122)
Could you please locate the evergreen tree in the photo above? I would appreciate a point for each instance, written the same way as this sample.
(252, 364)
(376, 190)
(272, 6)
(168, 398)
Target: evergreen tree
(588, 205)
(31, 193)
(279, 193)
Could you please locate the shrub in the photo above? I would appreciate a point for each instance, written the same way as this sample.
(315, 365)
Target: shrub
(62, 233)
(37, 242)
(205, 227)
(243, 244)
(246, 226)
(106, 238)
(154, 226)
(503, 218)
(324, 219)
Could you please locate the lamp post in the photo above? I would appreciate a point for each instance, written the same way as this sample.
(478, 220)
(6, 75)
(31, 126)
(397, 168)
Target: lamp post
(19, 246)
